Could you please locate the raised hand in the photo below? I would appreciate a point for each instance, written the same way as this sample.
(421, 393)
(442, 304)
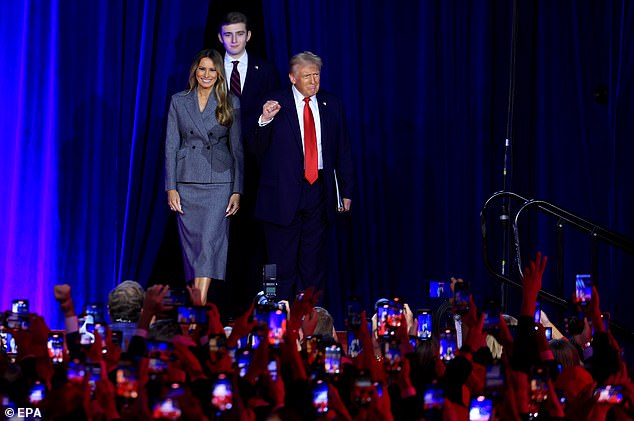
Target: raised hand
(269, 110)
(63, 297)
(532, 283)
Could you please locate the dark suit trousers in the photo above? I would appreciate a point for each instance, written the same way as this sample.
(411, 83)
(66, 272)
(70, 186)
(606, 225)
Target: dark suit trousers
(299, 249)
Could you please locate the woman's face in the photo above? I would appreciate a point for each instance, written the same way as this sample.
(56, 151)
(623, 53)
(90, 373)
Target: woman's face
(206, 74)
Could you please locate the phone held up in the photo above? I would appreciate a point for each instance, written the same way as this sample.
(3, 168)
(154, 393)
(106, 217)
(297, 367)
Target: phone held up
(583, 289)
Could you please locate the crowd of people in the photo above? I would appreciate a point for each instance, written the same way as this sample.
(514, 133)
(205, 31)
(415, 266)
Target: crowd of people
(281, 361)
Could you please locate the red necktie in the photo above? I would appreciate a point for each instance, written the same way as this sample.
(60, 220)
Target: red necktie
(235, 79)
(310, 144)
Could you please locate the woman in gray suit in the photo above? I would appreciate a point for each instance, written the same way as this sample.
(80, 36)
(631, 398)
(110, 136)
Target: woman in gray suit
(204, 167)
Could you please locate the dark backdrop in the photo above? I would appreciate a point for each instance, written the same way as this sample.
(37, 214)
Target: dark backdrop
(426, 87)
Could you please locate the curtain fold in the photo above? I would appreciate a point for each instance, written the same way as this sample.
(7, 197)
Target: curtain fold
(85, 88)
(426, 87)
(85, 92)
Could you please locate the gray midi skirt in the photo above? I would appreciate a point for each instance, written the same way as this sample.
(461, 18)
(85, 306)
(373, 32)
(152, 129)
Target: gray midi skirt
(203, 229)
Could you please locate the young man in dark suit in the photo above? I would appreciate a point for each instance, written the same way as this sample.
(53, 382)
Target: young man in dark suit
(250, 78)
(302, 142)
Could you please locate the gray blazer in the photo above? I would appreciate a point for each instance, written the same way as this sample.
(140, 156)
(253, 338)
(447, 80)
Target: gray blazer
(194, 155)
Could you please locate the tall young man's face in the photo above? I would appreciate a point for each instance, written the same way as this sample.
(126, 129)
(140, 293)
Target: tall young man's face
(234, 37)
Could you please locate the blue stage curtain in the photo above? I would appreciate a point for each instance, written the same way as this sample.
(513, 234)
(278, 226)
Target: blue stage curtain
(85, 88)
(426, 88)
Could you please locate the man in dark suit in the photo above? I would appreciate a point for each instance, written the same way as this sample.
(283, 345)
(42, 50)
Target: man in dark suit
(306, 165)
(250, 78)
(253, 77)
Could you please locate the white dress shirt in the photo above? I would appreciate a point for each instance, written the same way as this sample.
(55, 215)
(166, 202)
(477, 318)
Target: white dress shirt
(243, 65)
(299, 107)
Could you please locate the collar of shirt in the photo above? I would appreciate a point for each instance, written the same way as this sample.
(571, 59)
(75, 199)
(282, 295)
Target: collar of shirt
(243, 65)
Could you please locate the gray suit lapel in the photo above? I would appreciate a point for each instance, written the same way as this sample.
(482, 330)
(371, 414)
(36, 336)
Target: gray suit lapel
(191, 105)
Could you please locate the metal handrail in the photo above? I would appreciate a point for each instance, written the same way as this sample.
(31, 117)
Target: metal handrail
(613, 238)
(596, 231)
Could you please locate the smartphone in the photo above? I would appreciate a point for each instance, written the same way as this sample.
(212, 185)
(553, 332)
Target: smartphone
(243, 359)
(37, 393)
(448, 344)
(262, 314)
(480, 409)
(320, 396)
(609, 394)
(93, 370)
(191, 314)
(583, 289)
(7, 344)
(156, 367)
(354, 345)
(388, 318)
(20, 306)
(491, 319)
(315, 351)
(273, 369)
(168, 408)
(423, 324)
(394, 315)
(75, 371)
(548, 332)
(439, 289)
(218, 343)
(86, 329)
(18, 321)
(538, 381)
(381, 321)
(462, 293)
(392, 356)
(434, 397)
(117, 338)
(160, 350)
(332, 361)
(127, 382)
(362, 389)
(96, 311)
(277, 327)
(354, 313)
(176, 297)
(222, 393)
(254, 339)
(538, 312)
(55, 345)
(102, 329)
(494, 380)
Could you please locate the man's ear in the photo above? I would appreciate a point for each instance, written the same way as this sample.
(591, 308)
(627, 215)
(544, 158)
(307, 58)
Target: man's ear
(220, 37)
(291, 77)
(248, 35)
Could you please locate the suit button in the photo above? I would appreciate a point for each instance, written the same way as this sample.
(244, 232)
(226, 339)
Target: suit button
(208, 147)
(191, 132)
(194, 147)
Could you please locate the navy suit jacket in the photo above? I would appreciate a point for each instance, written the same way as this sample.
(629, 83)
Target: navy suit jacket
(279, 146)
(262, 79)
